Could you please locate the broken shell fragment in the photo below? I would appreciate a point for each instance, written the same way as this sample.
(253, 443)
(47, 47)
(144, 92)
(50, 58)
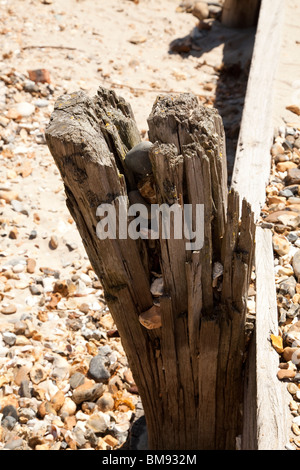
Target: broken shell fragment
(151, 318)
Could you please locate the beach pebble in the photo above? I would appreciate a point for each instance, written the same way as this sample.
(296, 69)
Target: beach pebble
(53, 243)
(296, 264)
(106, 402)
(97, 369)
(88, 392)
(138, 161)
(277, 149)
(280, 244)
(24, 109)
(200, 10)
(98, 422)
(293, 176)
(9, 338)
(8, 309)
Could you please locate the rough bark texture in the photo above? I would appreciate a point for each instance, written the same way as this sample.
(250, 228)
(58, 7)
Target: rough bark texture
(189, 372)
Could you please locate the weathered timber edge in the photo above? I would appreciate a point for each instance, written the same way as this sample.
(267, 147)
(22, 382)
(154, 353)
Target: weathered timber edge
(265, 419)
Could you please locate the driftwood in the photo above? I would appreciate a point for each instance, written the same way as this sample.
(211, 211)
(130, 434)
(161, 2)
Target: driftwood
(186, 349)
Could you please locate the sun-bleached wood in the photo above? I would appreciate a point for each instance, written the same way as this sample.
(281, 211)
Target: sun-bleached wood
(266, 419)
(253, 158)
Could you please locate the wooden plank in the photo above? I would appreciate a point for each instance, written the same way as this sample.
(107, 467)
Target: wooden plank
(253, 159)
(265, 401)
(271, 395)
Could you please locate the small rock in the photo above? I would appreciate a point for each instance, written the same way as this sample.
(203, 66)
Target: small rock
(18, 206)
(88, 407)
(38, 374)
(13, 234)
(292, 388)
(293, 176)
(277, 149)
(289, 191)
(45, 408)
(40, 103)
(288, 286)
(292, 337)
(61, 368)
(53, 244)
(36, 289)
(76, 380)
(97, 369)
(84, 308)
(280, 244)
(90, 392)
(20, 327)
(58, 400)
(292, 221)
(138, 161)
(106, 402)
(31, 265)
(157, 287)
(14, 444)
(68, 408)
(18, 268)
(284, 166)
(8, 422)
(200, 11)
(23, 109)
(21, 374)
(39, 75)
(9, 196)
(99, 422)
(10, 410)
(8, 309)
(285, 374)
(26, 414)
(291, 354)
(32, 235)
(296, 264)
(25, 390)
(79, 437)
(9, 338)
(181, 45)
(294, 109)
(137, 39)
(281, 158)
(292, 237)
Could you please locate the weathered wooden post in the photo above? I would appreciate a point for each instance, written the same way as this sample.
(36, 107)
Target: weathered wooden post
(186, 347)
(240, 13)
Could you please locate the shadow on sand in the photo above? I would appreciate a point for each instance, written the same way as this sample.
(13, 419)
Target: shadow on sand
(232, 75)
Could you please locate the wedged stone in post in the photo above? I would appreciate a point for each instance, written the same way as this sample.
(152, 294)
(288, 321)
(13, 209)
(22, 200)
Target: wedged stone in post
(138, 161)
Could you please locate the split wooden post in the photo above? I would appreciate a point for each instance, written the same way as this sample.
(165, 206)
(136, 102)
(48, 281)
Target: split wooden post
(240, 13)
(186, 354)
